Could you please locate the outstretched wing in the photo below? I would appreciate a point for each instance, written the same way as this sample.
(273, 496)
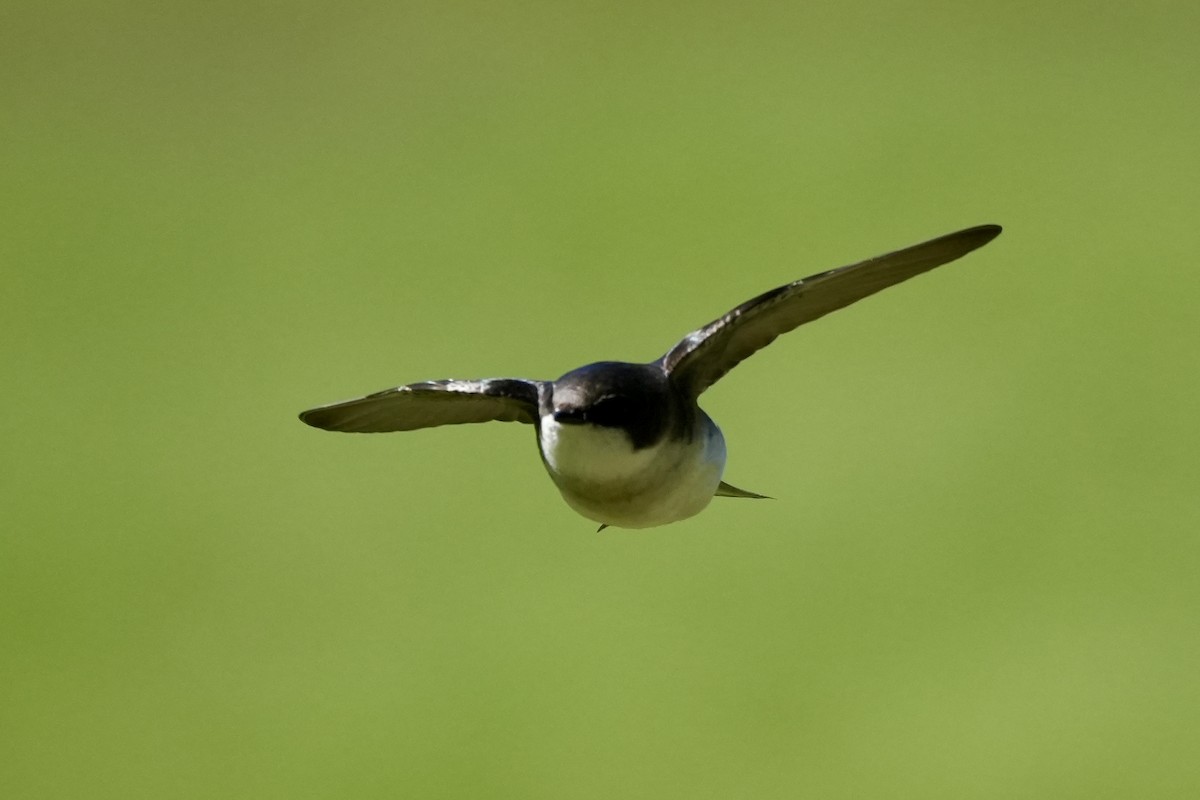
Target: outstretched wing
(429, 404)
(702, 357)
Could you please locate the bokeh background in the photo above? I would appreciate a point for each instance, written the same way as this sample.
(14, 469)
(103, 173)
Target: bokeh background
(979, 579)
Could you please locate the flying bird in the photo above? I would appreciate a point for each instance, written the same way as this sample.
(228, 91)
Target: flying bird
(627, 444)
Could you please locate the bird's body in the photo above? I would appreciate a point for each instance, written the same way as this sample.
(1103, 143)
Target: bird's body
(627, 444)
(605, 479)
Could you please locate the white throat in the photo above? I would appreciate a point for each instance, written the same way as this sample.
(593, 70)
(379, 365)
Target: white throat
(603, 477)
(590, 452)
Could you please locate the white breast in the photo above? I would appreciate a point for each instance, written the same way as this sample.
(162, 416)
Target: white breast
(603, 478)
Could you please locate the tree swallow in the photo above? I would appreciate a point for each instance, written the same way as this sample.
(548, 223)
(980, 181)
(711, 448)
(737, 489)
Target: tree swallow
(627, 444)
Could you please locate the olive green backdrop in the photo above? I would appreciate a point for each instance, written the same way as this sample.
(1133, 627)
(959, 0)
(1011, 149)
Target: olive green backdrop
(979, 579)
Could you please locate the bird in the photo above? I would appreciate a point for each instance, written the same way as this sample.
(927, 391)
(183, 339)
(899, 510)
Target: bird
(627, 444)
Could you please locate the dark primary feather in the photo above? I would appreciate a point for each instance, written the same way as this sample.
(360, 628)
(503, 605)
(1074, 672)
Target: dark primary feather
(431, 403)
(702, 357)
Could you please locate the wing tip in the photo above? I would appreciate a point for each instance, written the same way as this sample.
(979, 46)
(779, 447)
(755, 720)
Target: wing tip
(314, 418)
(962, 242)
(982, 233)
(331, 418)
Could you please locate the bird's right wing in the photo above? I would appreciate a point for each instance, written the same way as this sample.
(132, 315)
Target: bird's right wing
(431, 403)
(703, 356)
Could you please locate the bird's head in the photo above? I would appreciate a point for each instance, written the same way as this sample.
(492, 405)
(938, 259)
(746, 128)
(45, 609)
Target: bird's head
(631, 398)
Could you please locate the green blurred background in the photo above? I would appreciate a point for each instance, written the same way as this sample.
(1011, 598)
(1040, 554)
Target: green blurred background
(979, 579)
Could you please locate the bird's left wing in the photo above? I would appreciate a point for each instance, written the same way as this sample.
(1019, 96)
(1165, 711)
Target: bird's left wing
(704, 355)
(431, 403)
